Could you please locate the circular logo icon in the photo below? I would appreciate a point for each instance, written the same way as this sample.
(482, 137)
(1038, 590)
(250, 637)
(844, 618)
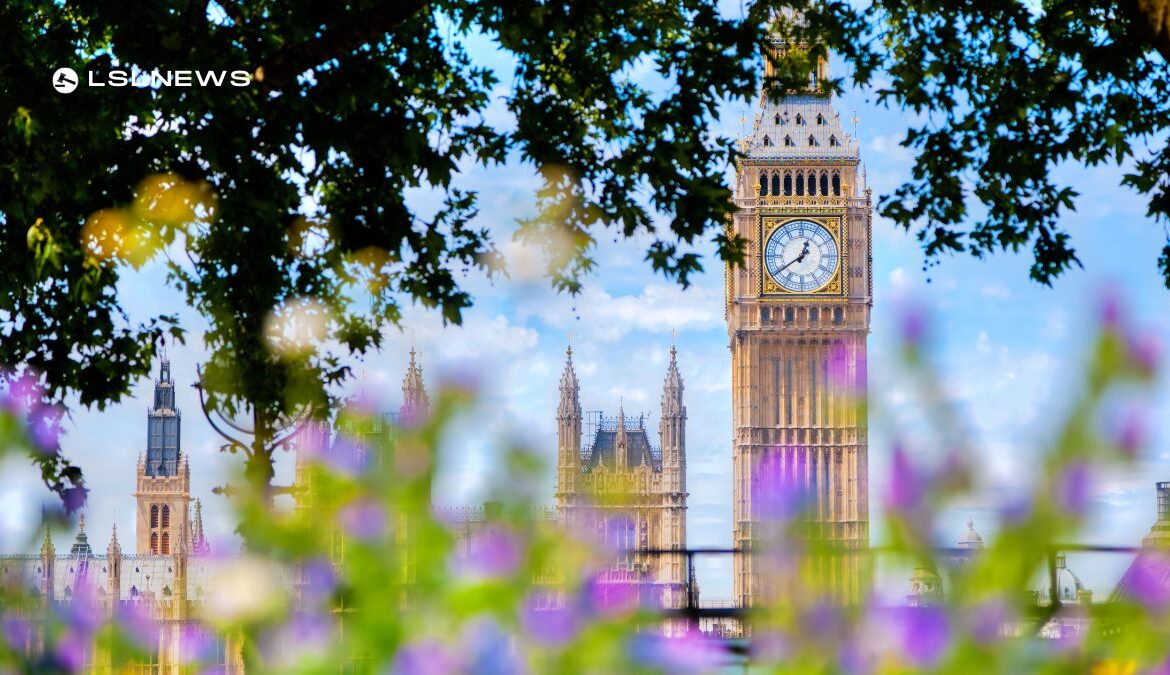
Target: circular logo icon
(65, 80)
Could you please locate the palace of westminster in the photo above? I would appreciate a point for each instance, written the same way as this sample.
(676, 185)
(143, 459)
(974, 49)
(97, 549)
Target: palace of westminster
(798, 316)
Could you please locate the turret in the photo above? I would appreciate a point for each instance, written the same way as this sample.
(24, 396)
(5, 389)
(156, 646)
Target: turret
(621, 444)
(48, 557)
(672, 428)
(415, 401)
(568, 431)
(1159, 536)
(199, 545)
(114, 569)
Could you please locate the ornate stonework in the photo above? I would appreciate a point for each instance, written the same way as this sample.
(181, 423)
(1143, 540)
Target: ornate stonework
(798, 358)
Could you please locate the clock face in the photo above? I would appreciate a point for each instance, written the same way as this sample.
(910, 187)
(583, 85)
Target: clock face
(801, 256)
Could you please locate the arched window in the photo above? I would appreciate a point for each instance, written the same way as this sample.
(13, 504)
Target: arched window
(812, 140)
(836, 184)
(812, 185)
(833, 141)
(824, 183)
(134, 591)
(820, 120)
(166, 516)
(154, 516)
(763, 183)
(788, 141)
(154, 543)
(800, 185)
(776, 119)
(166, 543)
(775, 183)
(767, 141)
(787, 183)
(799, 120)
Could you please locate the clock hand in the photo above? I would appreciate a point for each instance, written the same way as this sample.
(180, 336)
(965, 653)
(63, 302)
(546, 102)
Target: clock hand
(795, 260)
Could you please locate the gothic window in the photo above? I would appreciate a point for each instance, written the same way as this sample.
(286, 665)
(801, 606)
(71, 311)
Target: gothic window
(767, 141)
(776, 119)
(833, 141)
(800, 185)
(787, 183)
(166, 516)
(166, 543)
(154, 516)
(812, 184)
(154, 543)
(788, 142)
(799, 120)
(838, 315)
(812, 140)
(836, 184)
(775, 183)
(134, 591)
(763, 183)
(824, 183)
(820, 120)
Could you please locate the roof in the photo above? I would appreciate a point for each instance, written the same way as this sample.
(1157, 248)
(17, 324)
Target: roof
(1147, 578)
(796, 118)
(604, 448)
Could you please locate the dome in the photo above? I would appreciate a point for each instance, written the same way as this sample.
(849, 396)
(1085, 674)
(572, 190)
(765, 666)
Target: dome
(971, 538)
(1068, 585)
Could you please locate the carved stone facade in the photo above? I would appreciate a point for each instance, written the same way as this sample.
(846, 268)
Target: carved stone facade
(623, 491)
(798, 317)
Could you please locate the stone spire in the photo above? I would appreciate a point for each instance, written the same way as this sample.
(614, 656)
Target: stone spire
(568, 431)
(415, 401)
(672, 427)
(621, 444)
(199, 545)
(114, 569)
(48, 559)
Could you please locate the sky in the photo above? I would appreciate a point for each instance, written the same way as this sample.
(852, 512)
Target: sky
(1006, 350)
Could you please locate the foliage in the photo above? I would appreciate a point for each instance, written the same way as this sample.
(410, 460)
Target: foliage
(386, 582)
(302, 198)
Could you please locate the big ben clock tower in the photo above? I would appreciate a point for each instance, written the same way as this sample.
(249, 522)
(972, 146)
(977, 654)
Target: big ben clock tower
(798, 318)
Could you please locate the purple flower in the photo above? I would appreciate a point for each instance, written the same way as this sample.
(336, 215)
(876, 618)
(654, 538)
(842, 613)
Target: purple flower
(482, 642)
(17, 632)
(907, 490)
(1111, 309)
(986, 620)
(425, 657)
(135, 622)
(495, 552)
(913, 326)
(364, 519)
(1145, 350)
(778, 490)
(689, 653)
(1148, 580)
(548, 626)
(1073, 487)
(196, 644)
(610, 593)
(305, 635)
(925, 634)
(318, 581)
(71, 649)
(1134, 431)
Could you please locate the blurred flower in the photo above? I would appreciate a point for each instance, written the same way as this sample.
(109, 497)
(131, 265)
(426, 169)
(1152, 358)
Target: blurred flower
(318, 581)
(1073, 487)
(426, 657)
(364, 519)
(907, 489)
(779, 494)
(986, 620)
(913, 325)
(1145, 350)
(1148, 580)
(134, 621)
(548, 626)
(690, 653)
(484, 642)
(196, 644)
(301, 637)
(1133, 431)
(243, 590)
(606, 594)
(17, 632)
(925, 634)
(70, 650)
(494, 552)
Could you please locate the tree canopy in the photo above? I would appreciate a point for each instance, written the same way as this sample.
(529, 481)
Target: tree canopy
(282, 208)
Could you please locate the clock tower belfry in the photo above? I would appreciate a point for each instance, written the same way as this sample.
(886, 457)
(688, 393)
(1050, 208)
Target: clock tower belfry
(798, 313)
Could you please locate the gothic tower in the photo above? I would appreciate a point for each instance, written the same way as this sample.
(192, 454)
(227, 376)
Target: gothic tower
(798, 318)
(164, 477)
(625, 492)
(415, 401)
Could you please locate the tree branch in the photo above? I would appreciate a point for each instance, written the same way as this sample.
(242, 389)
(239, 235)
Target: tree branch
(350, 32)
(1151, 18)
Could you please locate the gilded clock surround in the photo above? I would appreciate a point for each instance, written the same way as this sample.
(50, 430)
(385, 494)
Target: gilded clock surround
(838, 228)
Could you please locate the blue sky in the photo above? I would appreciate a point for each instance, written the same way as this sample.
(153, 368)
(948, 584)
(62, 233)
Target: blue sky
(1006, 349)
